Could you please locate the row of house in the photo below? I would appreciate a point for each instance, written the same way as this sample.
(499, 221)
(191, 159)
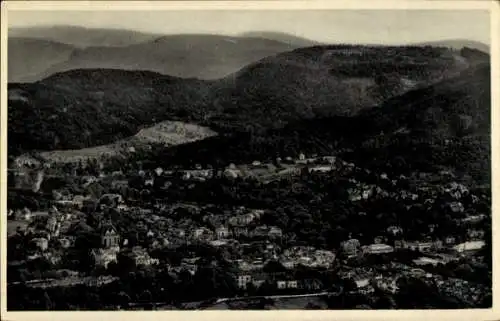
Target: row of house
(352, 247)
(280, 281)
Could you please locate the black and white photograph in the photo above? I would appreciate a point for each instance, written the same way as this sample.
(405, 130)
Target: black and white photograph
(232, 159)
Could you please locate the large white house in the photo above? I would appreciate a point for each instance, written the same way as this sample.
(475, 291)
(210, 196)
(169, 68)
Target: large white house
(378, 249)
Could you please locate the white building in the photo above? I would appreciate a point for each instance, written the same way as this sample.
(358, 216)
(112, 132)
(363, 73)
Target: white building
(222, 232)
(103, 257)
(378, 249)
(275, 232)
(243, 280)
(419, 246)
(469, 246)
(427, 260)
(394, 230)
(41, 242)
(24, 214)
(321, 169)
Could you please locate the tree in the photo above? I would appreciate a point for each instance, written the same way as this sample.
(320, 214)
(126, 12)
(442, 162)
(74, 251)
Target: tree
(349, 285)
(267, 288)
(145, 296)
(312, 306)
(415, 293)
(47, 302)
(383, 302)
(123, 299)
(274, 267)
(92, 300)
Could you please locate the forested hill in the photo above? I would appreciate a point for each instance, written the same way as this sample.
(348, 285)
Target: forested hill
(446, 126)
(89, 107)
(82, 108)
(442, 126)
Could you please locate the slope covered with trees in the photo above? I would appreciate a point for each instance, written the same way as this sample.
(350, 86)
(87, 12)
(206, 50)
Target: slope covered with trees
(85, 108)
(443, 126)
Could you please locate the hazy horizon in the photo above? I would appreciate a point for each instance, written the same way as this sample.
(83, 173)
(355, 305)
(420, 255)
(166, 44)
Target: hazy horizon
(327, 26)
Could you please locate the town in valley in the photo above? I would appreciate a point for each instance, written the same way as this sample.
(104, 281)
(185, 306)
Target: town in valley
(190, 238)
(248, 159)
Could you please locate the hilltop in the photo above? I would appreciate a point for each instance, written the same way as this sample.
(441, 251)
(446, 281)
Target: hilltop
(86, 108)
(324, 81)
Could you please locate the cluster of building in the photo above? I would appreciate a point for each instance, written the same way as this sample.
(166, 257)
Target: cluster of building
(247, 243)
(352, 247)
(307, 256)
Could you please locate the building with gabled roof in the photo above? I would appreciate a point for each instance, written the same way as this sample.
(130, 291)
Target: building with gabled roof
(109, 235)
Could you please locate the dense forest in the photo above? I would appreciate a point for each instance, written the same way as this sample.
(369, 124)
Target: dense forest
(82, 108)
(445, 126)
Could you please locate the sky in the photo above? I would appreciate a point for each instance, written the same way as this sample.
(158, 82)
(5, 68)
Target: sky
(331, 26)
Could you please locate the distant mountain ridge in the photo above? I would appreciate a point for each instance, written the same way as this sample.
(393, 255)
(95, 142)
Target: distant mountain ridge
(30, 57)
(283, 37)
(185, 56)
(82, 37)
(200, 56)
